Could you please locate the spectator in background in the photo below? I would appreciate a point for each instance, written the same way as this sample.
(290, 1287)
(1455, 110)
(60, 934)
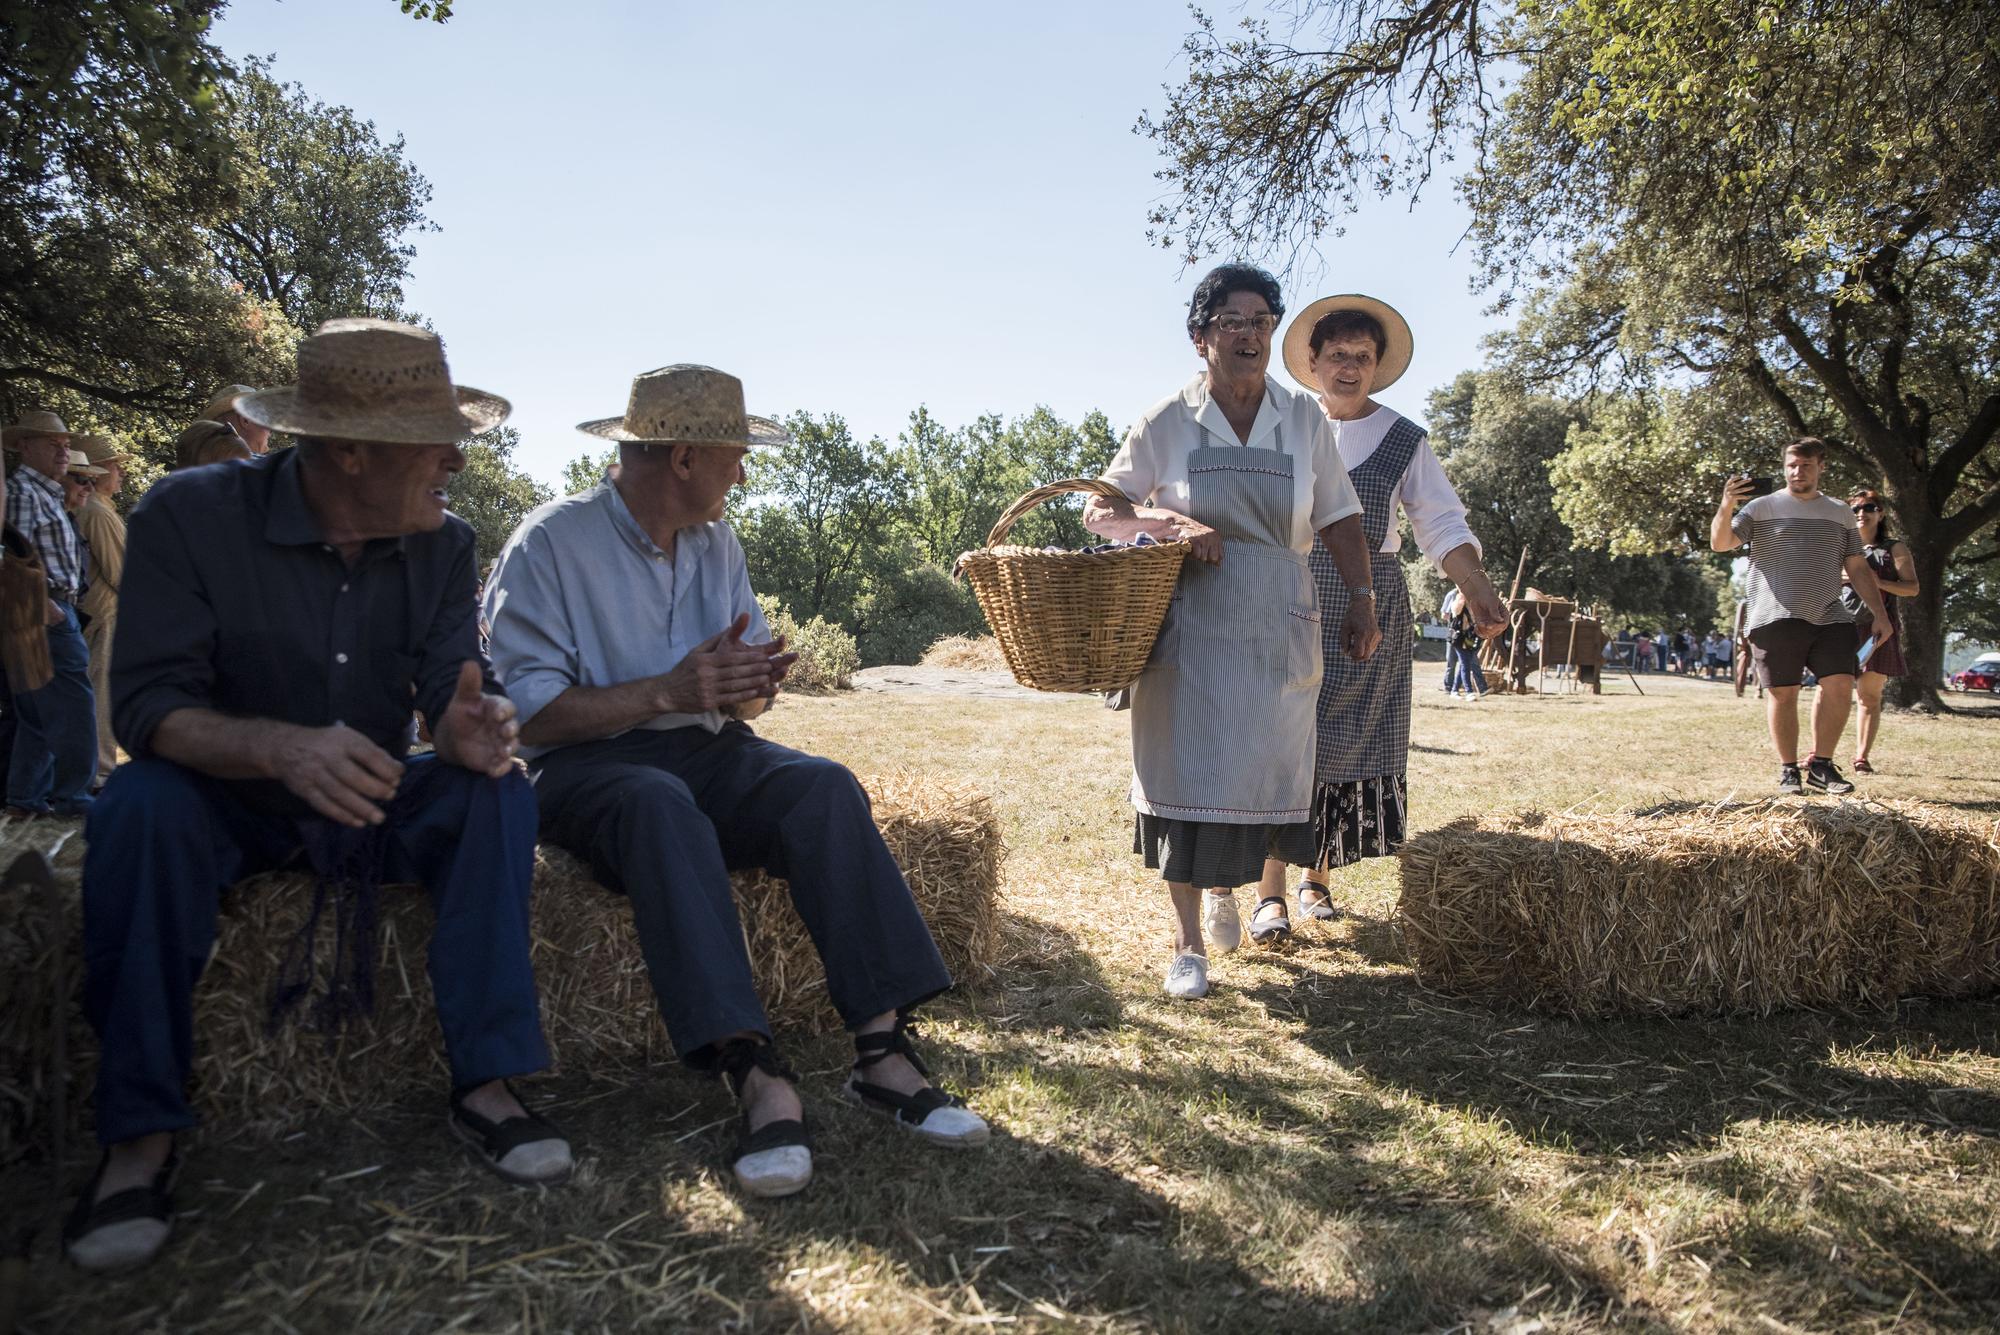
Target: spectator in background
(55, 741)
(1715, 652)
(207, 442)
(1642, 655)
(1800, 543)
(1896, 572)
(1463, 675)
(103, 528)
(222, 408)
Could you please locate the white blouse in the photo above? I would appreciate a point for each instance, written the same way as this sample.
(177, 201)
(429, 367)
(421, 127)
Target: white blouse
(1425, 493)
(1151, 468)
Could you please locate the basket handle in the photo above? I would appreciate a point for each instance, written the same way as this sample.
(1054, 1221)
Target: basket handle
(1094, 486)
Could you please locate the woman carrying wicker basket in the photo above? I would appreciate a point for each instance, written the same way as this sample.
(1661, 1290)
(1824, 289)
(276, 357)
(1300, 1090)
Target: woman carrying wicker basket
(1247, 473)
(1345, 349)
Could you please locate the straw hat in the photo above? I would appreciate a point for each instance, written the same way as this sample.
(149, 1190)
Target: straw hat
(375, 380)
(224, 400)
(80, 465)
(33, 424)
(1395, 357)
(687, 405)
(188, 445)
(101, 449)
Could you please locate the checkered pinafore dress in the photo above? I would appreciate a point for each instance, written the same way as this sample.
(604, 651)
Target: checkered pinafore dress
(1364, 708)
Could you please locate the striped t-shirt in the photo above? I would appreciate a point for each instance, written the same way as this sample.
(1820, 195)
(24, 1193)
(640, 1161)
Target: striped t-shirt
(1797, 551)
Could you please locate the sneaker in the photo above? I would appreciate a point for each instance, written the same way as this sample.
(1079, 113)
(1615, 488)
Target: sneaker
(1826, 776)
(1187, 976)
(1221, 922)
(1788, 779)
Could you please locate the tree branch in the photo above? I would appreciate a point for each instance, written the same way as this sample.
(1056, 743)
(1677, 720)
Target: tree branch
(154, 397)
(1951, 465)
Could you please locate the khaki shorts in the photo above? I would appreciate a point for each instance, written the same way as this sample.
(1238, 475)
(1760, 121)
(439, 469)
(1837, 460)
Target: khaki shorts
(1783, 650)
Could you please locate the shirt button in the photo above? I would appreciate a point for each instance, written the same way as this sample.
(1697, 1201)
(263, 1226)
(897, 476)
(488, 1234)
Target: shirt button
(343, 588)
(340, 658)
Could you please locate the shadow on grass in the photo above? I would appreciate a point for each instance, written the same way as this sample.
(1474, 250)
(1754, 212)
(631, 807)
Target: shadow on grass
(1640, 1085)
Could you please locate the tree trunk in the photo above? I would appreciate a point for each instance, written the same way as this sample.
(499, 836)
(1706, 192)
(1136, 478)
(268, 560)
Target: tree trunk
(1923, 624)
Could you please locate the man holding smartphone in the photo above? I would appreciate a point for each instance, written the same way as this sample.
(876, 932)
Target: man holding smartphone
(1800, 542)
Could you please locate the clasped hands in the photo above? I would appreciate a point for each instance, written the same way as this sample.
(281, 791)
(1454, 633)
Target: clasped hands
(723, 672)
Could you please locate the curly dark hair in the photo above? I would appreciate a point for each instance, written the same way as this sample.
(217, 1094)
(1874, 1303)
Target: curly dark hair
(1217, 286)
(1339, 326)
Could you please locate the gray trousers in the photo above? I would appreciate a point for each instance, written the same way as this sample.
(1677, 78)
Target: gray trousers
(664, 817)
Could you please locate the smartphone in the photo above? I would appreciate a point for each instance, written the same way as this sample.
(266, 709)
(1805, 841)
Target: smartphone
(1759, 486)
(1861, 659)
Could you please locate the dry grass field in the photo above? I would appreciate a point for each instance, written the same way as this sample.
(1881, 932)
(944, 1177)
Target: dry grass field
(1321, 1145)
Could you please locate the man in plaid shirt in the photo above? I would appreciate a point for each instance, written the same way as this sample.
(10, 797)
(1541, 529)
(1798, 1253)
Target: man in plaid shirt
(55, 744)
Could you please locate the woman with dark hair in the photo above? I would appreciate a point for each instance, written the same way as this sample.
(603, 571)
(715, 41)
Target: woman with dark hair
(1248, 474)
(1896, 571)
(1346, 349)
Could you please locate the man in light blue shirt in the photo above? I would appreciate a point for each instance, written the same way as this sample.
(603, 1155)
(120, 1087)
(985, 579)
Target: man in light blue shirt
(625, 630)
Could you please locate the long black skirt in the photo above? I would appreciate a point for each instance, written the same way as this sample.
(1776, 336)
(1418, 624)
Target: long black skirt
(1213, 856)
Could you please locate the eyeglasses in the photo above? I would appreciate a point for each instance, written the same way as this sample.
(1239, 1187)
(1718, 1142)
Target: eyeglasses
(1868, 509)
(1237, 324)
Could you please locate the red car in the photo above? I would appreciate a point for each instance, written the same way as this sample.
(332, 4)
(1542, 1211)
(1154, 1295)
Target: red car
(1981, 674)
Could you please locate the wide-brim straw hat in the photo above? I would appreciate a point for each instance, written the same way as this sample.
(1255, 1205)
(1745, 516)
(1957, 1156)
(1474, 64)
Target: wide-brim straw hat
(80, 465)
(33, 424)
(1389, 368)
(686, 404)
(100, 449)
(224, 400)
(375, 380)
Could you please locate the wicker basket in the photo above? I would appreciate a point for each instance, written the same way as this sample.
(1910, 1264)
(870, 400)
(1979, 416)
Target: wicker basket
(1072, 621)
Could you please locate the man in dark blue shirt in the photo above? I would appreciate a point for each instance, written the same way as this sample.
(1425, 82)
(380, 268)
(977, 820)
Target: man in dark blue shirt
(280, 620)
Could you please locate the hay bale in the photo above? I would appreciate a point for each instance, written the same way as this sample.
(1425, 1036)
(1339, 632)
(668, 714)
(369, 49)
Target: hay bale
(1726, 907)
(977, 653)
(597, 1003)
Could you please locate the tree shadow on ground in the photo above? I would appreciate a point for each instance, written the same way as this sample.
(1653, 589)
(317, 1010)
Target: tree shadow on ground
(1639, 1085)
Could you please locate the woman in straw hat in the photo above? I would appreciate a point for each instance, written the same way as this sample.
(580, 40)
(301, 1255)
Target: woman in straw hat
(1247, 473)
(1345, 349)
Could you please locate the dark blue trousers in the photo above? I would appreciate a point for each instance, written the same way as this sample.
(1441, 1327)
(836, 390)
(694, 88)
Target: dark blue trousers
(165, 840)
(55, 738)
(664, 817)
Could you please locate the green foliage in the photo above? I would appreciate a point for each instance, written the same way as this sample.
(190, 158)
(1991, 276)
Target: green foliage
(906, 611)
(586, 471)
(1506, 452)
(827, 656)
(491, 494)
(324, 209)
(1791, 201)
(437, 11)
(819, 517)
(168, 225)
(863, 533)
(117, 159)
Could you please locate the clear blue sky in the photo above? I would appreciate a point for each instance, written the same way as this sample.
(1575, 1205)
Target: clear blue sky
(856, 208)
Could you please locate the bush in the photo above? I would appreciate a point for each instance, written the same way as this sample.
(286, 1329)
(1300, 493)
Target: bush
(905, 612)
(827, 656)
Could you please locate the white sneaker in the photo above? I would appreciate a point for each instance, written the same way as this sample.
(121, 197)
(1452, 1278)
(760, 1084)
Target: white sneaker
(1220, 921)
(1187, 976)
